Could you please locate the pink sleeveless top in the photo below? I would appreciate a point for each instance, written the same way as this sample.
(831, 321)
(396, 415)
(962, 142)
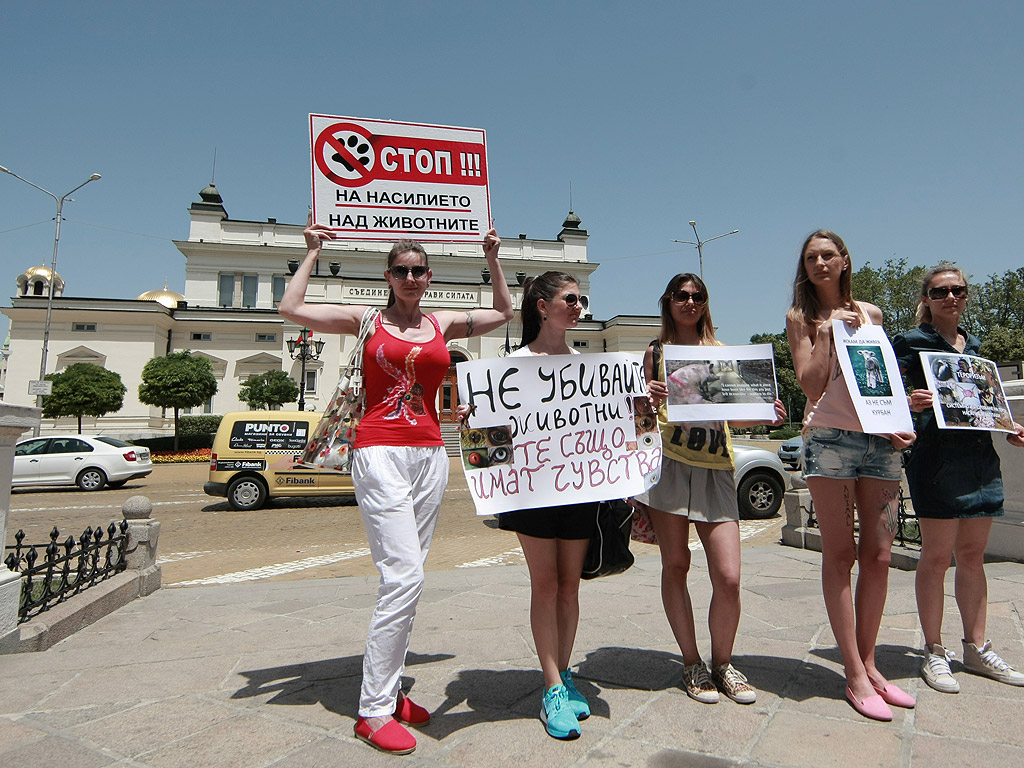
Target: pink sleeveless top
(835, 406)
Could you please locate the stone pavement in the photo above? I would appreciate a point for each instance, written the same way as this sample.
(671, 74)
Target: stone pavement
(267, 674)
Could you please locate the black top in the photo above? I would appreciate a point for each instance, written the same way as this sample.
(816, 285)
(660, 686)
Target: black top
(925, 338)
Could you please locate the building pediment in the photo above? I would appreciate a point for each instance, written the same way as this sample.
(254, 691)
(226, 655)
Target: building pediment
(256, 364)
(80, 354)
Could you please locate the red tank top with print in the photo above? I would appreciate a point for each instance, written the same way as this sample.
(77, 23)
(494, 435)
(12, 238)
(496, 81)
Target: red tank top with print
(401, 380)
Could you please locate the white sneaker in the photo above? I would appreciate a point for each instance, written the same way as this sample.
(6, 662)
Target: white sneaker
(936, 671)
(985, 661)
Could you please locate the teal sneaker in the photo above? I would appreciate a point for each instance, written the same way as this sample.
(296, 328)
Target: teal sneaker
(557, 716)
(577, 701)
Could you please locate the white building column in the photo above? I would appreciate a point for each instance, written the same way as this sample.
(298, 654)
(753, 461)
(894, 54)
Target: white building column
(15, 420)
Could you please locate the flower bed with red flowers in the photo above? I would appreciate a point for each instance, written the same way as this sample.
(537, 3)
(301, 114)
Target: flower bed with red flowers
(193, 456)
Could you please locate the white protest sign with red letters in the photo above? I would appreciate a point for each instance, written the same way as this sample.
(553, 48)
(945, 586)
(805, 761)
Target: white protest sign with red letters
(557, 429)
(384, 180)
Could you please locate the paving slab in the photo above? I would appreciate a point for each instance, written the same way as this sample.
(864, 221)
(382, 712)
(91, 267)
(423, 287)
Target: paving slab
(267, 674)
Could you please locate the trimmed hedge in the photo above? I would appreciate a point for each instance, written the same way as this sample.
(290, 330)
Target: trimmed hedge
(198, 425)
(786, 432)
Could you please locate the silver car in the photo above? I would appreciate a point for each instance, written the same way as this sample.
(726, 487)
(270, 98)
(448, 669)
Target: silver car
(792, 452)
(761, 480)
(88, 461)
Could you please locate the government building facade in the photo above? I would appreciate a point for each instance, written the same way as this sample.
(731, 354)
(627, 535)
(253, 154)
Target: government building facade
(235, 274)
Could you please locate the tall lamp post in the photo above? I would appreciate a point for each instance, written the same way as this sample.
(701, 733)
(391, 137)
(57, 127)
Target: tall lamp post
(303, 349)
(700, 244)
(53, 271)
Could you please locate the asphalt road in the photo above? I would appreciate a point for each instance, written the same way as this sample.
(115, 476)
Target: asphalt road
(203, 540)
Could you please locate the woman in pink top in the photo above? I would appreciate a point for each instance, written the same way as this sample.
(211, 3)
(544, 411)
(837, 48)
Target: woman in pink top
(399, 466)
(846, 469)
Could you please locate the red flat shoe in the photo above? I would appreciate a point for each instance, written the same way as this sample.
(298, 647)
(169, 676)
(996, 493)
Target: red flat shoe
(873, 707)
(410, 713)
(392, 738)
(895, 696)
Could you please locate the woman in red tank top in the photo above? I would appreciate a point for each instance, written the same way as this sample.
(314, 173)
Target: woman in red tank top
(399, 467)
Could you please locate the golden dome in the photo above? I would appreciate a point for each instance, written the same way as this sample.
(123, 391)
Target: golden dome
(40, 271)
(164, 296)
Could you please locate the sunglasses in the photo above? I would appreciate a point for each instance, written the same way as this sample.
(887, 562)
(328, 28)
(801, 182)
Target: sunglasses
(681, 297)
(572, 298)
(400, 272)
(958, 291)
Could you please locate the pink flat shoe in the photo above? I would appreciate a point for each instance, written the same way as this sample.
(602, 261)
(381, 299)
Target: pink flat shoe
(873, 707)
(896, 696)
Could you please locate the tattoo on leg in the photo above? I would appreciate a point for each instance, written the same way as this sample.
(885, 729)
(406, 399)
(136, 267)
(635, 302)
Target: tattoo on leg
(890, 514)
(469, 324)
(849, 507)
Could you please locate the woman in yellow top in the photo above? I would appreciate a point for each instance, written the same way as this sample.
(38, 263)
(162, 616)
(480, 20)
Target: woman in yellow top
(697, 486)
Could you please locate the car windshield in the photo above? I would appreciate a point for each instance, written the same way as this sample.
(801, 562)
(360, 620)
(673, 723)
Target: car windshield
(114, 442)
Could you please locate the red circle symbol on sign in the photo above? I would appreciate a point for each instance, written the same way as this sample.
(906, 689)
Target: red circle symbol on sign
(345, 154)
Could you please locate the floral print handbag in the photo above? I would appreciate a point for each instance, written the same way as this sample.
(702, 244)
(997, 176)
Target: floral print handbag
(330, 445)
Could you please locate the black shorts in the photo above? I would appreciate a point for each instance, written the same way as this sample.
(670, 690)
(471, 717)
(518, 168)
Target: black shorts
(573, 521)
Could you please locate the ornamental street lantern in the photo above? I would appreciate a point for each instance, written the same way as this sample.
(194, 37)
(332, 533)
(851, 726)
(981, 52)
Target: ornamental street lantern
(303, 349)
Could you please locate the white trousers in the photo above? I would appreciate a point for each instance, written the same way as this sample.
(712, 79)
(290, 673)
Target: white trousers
(399, 490)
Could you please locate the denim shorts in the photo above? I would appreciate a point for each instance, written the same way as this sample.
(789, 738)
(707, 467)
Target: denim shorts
(843, 455)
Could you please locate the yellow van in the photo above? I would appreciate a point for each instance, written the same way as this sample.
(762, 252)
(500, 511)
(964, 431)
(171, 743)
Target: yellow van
(253, 459)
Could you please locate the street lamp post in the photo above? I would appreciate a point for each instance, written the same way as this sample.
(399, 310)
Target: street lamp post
(303, 349)
(700, 244)
(53, 271)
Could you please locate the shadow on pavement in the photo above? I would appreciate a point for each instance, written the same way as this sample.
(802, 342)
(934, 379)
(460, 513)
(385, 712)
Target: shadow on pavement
(333, 683)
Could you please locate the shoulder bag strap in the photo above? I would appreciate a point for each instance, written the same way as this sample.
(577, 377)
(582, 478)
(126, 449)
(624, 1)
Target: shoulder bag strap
(355, 363)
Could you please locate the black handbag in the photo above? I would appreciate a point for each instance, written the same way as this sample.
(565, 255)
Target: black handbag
(609, 553)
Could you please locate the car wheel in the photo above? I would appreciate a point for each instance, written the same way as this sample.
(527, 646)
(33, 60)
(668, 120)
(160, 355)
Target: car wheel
(92, 479)
(759, 495)
(246, 493)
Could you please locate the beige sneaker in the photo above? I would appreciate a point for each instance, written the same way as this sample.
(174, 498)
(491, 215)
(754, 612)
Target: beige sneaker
(936, 671)
(985, 661)
(698, 684)
(733, 684)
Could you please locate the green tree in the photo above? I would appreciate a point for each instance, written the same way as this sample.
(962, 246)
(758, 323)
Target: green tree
(999, 303)
(1003, 345)
(789, 389)
(268, 390)
(83, 389)
(895, 289)
(177, 381)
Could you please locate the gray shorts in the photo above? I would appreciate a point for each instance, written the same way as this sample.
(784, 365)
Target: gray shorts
(701, 494)
(843, 455)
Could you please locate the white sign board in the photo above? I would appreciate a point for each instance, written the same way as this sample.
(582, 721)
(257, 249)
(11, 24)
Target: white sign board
(36, 387)
(873, 377)
(967, 392)
(718, 383)
(558, 429)
(384, 180)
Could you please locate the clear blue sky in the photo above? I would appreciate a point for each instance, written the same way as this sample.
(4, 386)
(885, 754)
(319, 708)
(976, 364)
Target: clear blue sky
(898, 125)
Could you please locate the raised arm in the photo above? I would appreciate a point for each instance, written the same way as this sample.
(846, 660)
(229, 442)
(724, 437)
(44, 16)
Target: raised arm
(328, 318)
(476, 322)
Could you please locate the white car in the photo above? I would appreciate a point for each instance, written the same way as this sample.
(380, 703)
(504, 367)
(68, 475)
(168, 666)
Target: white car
(761, 480)
(88, 461)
